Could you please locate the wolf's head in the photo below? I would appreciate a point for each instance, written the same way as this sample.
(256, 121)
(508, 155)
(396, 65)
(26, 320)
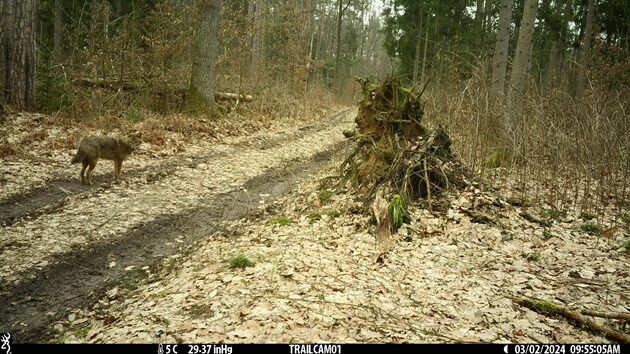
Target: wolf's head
(134, 139)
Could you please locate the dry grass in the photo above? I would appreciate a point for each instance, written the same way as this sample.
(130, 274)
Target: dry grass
(570, 151)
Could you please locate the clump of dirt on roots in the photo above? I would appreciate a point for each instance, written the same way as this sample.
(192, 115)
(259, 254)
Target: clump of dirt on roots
(397, 158)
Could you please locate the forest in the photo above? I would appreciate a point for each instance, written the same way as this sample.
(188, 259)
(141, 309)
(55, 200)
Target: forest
(315, 171)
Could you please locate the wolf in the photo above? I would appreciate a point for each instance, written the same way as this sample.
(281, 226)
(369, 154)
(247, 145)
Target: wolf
(92, 148)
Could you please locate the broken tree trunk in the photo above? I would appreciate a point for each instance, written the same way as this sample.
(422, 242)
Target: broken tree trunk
(395, 151)
(137, 86)
(551, 308)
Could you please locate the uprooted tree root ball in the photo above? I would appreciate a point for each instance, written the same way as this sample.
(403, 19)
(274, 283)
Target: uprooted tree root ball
(396, 153)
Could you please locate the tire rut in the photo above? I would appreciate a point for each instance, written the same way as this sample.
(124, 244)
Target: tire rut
(82, 276)
(52, 197)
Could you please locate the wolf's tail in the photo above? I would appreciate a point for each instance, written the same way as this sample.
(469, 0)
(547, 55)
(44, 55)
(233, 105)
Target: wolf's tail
(80, 156)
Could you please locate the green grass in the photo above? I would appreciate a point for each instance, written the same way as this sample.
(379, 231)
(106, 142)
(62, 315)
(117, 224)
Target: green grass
(590, 228)
(626, 218)
(60, 340)
(397, 211)
(626, 245)
(587, 215)
(500, 158)
(241, 261)
(162, 294)
(317, 215)
(82, 331)
(131, 279)
(281, 220)
(134, 115)
(546, 235)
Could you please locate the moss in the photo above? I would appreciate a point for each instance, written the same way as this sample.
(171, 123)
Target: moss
(590, 228)
(241, 261)
(587, 215)
(519, 201)
(533, 257)
(281, 220)
(315, 216)
(325, 196)
(548, 307)
(196, 104)
(554, 214)
(626, 245)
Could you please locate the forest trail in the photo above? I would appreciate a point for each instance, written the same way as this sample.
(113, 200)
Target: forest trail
(149, 260)
(63, 244)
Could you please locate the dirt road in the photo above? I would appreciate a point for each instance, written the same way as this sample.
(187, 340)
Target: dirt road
(63, 244)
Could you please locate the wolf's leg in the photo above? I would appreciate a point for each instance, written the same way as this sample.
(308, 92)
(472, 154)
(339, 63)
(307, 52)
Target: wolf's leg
(89, 171)
(85, 165)
(117, 166)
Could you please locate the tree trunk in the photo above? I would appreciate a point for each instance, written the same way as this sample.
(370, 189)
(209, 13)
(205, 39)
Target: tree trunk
(522, 57)
(499, 62)
(416, 59)
(18, 49)
(342, 9)
(205, 52)
(257, 41)
(480, 16)
(586, 45)
(424, 55)
(57, 28)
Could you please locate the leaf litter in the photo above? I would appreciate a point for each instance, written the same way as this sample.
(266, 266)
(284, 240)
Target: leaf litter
(445, 277)
(444, 280)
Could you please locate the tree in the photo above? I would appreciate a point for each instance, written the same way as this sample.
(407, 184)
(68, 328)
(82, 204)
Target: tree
(341, 10)
(205, 52)
(586, 44)
(255, 9)
(57, 27)
(18, 49)
(499, 61)
(480, 19)
(416, 60)
(522, 56)
(452, 30)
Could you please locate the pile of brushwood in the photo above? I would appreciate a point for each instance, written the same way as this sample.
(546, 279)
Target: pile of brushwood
(397, 160)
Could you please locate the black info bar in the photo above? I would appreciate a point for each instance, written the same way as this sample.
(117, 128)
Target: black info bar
(317, 348)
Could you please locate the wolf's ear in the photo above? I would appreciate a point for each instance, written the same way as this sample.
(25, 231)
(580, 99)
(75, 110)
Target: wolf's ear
(135, 136)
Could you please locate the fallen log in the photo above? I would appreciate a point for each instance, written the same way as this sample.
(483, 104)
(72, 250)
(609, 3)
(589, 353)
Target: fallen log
(551, 308)
(232, 96)
(607, 314)
(131, 86)
(531, 218)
